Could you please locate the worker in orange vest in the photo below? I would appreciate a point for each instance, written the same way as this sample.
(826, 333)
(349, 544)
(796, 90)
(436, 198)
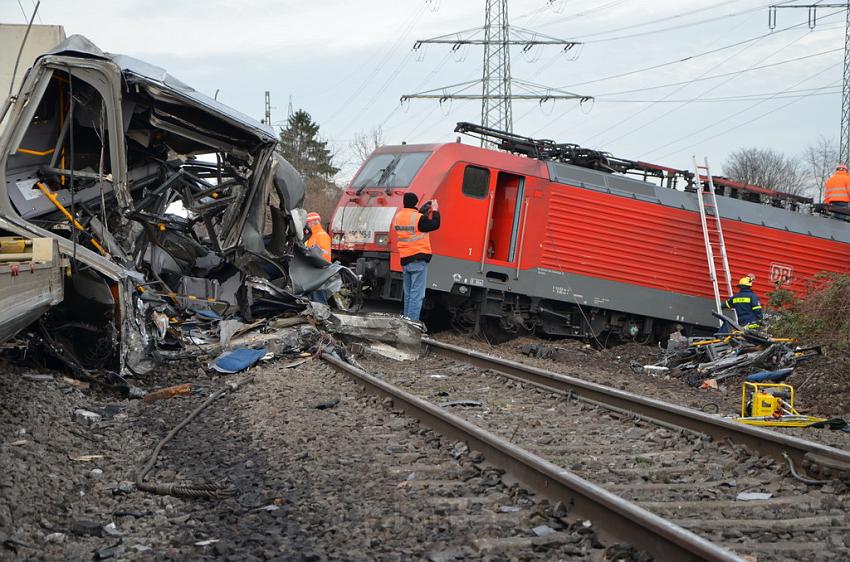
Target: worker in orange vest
(318, 236)
(322, 240)
(414, 249)
(837, 190)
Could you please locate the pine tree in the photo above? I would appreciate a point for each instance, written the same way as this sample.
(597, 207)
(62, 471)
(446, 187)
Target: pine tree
(302, 147)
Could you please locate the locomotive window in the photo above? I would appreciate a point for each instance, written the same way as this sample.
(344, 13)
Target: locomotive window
(390, 170)
(476, 182)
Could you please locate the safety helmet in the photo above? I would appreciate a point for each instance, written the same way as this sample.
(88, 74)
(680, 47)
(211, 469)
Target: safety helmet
(745, 282)
(842, 167)
(313, 217)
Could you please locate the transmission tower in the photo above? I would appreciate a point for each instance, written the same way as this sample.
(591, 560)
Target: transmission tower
(268, 118)
(844, 143)
(498, 88)
(496, 80)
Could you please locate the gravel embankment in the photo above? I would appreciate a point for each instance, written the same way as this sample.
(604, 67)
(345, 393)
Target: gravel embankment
(611, 367)
(321, 472)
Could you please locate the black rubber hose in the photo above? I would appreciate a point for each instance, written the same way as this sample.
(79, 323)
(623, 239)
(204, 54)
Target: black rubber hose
(174, 489)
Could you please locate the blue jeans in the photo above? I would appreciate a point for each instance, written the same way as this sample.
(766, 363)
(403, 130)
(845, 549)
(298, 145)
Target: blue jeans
(414, 276)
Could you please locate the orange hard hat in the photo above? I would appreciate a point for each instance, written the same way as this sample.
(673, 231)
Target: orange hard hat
(313, 217)
(841, 167)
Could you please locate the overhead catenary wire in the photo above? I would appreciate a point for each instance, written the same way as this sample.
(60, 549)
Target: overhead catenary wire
(745, 123)
(723, 75)
(680, 26)
(24, 12)
(393, 75)
(744, 97)
(618, 123)
(656, 119)
(584, 38)
(37, 14)
(384, 60)
(746, 109)
(689, 57)
(593, 9)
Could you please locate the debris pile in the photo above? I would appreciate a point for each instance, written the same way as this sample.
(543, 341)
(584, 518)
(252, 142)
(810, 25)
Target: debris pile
(179, 224)
(706, 361)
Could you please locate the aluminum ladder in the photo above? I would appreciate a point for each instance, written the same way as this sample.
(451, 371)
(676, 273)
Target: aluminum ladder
(712, 233)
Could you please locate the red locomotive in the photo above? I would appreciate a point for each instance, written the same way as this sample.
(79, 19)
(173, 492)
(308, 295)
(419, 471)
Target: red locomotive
(562, 240)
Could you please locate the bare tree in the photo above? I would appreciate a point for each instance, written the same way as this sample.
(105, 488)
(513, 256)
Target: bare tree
(364, 143)
(767, 168)
(321, 197)
(821, 157)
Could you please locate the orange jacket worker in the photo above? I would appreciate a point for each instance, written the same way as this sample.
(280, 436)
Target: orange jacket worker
(318, 236)
(837, 191)
(414, 249)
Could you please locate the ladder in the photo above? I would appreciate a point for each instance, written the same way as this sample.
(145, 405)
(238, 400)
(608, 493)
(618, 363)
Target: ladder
(712, 233)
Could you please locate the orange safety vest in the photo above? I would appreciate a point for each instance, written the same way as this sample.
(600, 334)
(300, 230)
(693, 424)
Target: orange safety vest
(411, 240)
(322, 239)
(837, 188)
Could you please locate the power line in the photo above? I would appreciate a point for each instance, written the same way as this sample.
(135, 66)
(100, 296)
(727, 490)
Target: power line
(558, 118)
(690, 57)
(749, 97)
(409, 27)
(666, 18)
(730, 129)
(716, 123)
(21, 6)
(716, 86)
(37, 14)
(393, 75)
(715, 76)
(672, 92)
(844, 144)
(663, 19)
(594, 9)
(679, 26)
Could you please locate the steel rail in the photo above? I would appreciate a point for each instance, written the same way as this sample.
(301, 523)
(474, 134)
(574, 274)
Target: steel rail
(616, 517)
(764, 442)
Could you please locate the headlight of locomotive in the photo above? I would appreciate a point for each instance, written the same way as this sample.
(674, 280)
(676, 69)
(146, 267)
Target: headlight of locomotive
(382, 239)
(338, 237)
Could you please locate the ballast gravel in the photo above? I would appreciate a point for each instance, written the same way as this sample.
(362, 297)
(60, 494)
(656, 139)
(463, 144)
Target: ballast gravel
(321, 472)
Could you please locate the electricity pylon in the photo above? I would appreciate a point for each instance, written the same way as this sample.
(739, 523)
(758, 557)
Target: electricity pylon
(498, 87)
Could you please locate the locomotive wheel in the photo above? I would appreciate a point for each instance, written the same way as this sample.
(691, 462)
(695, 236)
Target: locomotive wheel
(492, 330)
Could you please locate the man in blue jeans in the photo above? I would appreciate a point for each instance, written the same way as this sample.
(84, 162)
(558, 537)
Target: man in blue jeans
(414, 249)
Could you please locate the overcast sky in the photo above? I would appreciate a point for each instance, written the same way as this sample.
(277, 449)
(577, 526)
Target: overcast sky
(348, 62)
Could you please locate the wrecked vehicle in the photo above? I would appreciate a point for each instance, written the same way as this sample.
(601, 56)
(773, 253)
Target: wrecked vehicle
(172, 210)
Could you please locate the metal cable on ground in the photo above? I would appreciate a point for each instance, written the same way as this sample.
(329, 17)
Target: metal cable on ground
(187, 490)
(802, 479)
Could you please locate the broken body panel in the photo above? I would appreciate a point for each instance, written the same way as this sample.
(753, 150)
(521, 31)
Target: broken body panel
(173, 209)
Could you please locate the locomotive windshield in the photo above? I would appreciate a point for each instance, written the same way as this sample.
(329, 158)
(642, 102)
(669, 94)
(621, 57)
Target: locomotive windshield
(389, 170)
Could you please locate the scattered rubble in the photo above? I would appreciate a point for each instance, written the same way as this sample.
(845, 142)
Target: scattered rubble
(745, 353)
(179, 223)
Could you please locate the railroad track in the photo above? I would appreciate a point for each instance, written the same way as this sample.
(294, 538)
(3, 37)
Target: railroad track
(663, 478)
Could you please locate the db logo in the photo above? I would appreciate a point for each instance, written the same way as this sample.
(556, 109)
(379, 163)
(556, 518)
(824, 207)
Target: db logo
(781, 274)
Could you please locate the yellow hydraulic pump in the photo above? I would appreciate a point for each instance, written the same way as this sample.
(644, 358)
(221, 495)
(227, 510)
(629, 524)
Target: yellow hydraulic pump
(771, 405)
